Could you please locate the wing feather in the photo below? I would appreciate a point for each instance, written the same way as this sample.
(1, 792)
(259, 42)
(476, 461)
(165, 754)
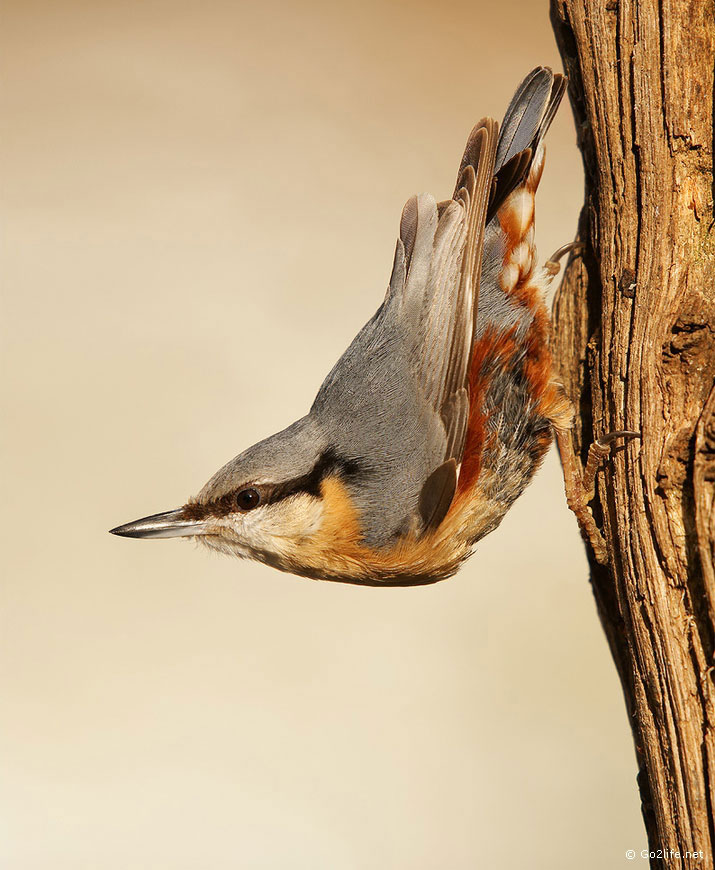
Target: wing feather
(435, 281)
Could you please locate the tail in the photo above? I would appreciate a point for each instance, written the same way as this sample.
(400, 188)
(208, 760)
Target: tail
(509, 256)
(513, 394)
(530, 113)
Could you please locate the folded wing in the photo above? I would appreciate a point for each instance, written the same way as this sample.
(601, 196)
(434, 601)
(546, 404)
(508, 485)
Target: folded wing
(435, 281)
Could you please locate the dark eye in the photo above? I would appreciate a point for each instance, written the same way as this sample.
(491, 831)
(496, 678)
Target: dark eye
(248, 499)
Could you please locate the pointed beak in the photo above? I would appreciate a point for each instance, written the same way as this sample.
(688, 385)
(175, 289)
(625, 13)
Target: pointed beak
(172, 524)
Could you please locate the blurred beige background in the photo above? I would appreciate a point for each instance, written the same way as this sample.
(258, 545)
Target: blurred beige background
(182, 183)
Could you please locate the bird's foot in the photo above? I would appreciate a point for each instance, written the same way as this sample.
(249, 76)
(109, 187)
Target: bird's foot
(580, 485)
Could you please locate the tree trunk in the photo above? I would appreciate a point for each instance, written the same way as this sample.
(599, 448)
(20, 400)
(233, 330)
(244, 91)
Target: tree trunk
(634, 339)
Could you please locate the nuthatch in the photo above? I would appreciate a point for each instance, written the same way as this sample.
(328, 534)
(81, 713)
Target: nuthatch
(437, 415)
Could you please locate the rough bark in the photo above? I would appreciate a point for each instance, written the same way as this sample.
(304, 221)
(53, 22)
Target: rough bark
(634, 339)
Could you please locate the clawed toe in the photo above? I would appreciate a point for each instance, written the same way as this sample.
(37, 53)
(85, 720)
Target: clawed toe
(552, 265)
(608, 439)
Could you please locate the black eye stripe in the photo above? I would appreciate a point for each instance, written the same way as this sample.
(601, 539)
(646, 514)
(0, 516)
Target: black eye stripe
(329, 463)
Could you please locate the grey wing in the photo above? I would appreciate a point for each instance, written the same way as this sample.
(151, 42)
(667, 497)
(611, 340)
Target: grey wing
(435, 282)
(397, 401)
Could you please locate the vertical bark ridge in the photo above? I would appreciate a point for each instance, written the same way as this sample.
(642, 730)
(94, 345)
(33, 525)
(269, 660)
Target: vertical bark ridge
(634, 338)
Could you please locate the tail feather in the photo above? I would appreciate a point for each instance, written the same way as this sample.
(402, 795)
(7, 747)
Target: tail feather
(508, 288)
(530, 112)
(525, 123)
(513, 395)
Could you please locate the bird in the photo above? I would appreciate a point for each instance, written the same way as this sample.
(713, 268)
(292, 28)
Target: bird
(437, 416)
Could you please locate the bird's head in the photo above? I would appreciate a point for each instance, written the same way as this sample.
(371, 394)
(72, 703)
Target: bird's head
(283, 501)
